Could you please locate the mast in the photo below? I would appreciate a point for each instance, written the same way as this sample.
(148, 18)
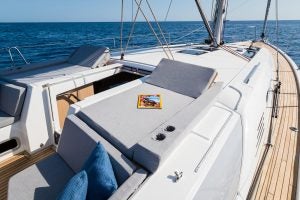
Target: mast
(215, 33)
(218, 21)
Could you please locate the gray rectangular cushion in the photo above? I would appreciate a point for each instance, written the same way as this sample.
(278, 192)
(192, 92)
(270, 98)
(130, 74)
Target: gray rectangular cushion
(87, 55)
(11, 98)
(120, 122)
(151, 153)
(44, 180)
(6, 119)
(184, 78)
(78, 141)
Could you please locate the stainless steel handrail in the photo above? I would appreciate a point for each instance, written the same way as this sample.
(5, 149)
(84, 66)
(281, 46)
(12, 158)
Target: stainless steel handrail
(20, 54)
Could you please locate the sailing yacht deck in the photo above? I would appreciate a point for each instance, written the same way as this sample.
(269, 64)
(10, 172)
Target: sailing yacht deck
(277, 178)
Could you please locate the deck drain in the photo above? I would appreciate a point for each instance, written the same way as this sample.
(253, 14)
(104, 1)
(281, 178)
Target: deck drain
(294, 129)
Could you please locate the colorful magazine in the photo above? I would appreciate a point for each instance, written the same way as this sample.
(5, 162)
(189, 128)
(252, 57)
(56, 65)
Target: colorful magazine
(152, 101)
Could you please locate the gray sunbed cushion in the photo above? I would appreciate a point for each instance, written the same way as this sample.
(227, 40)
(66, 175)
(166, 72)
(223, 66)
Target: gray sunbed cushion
(184, 78)
(151, 153)
(11, 98)
(6, 119)
(78, 141)
(86, 55)
(44, 180)
(130, 186)
(120, 122)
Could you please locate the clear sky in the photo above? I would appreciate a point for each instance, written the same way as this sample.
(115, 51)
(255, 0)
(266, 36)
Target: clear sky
(109, 10)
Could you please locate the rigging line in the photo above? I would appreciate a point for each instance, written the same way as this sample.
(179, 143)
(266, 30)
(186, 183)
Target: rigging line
(266, 19)
(132, 10)
(277, 40)
(239, 6)
(153, 31)
(166, 17)
(190, 33)
(160, 30)
(121, 31)
(133, 24)
(206, 23)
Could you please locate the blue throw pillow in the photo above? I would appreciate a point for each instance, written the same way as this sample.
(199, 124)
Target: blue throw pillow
(101, 179)
(76, 188)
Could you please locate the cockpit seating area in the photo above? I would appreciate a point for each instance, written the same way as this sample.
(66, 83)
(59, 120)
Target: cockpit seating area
(46, 179)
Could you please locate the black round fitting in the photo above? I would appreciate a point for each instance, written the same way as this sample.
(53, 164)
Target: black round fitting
(170, 128)
(160, 137)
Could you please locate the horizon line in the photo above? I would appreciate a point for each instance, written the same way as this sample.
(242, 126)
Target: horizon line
(245, 20)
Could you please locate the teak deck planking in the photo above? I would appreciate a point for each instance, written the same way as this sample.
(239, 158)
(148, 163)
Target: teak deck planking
(278, 177)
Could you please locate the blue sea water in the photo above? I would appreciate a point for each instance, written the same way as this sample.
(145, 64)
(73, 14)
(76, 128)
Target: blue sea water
(44, 41)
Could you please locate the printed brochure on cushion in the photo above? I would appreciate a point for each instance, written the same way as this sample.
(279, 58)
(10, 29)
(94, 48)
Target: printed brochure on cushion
(149, 101)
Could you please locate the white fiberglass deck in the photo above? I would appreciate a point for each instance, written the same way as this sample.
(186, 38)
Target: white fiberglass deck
(226, 64)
